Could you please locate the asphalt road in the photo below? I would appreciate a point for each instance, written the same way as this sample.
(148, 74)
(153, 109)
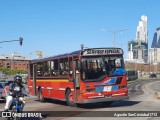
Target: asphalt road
(141, 93)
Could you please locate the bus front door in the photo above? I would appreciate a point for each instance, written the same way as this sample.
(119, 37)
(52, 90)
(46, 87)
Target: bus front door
(76, 82)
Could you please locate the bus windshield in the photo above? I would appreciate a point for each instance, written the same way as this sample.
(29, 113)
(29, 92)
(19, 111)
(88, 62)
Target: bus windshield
(97, 68)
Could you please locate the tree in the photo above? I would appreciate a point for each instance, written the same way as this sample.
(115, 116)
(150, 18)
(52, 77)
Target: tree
(9, 71)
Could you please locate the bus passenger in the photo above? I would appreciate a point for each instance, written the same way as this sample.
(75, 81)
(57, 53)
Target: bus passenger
(107, 67)
(112, 66)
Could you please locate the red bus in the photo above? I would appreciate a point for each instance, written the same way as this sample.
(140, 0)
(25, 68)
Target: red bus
(84, 76)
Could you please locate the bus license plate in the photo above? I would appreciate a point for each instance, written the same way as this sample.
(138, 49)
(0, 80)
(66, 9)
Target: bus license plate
(107, 88)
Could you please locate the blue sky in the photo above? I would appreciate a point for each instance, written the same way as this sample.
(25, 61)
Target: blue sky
(61, 26)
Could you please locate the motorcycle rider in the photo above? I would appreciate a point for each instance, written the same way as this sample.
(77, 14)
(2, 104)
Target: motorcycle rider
(17, 83)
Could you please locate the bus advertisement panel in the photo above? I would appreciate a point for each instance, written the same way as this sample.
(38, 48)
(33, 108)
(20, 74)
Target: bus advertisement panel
(84, 76)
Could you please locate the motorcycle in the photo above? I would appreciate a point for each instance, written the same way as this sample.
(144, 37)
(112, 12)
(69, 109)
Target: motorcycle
(17, 104)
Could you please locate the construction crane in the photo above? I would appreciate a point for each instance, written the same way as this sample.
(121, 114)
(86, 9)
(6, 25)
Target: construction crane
(39, 53)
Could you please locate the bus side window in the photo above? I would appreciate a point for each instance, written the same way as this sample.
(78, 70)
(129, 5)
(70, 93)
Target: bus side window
(70, 67)
(63, 66)
(46, 68)
(54, 67)
(31, 70)
(118, 63)
(39, 69)
(76, 66)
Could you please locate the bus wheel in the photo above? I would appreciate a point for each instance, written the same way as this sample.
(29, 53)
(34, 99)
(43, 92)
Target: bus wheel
(40, 96)
(70, 99)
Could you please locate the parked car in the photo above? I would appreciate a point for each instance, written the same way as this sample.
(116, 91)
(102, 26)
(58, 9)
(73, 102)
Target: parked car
(153, 75)
(5, 89)
(3, 81)
(1, 89)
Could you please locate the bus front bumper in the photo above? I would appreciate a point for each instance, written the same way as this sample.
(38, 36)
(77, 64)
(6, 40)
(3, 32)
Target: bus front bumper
(106, 99)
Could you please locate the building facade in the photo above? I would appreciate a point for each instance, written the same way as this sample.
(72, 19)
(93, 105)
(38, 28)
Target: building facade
(138, 48)
(14, 61)
(154, 51)
(154, 56)
(142, 30)
(156, 39)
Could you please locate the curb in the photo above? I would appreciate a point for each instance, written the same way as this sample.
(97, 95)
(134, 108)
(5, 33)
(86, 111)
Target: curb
(145, 88)
(156, 94)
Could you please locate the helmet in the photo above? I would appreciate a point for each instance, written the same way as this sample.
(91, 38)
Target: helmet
(18, 79)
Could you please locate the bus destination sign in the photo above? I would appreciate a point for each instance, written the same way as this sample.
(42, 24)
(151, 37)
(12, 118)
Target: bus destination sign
(109, 51)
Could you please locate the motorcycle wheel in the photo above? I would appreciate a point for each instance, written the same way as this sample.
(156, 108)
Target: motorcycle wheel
(15, 111)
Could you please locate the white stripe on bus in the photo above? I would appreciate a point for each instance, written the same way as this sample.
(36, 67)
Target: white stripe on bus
(118, 94)
(52, 88)
(49, 88)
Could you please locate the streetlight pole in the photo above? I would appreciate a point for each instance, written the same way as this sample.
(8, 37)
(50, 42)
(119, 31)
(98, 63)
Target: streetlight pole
(20, 41)
(114, 33)
(121, 44)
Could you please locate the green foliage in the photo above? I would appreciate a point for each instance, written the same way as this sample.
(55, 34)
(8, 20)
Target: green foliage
(9, 71)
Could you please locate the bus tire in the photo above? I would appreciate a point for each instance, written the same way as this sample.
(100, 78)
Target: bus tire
(70, 99)
(40, 96)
